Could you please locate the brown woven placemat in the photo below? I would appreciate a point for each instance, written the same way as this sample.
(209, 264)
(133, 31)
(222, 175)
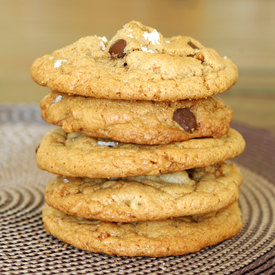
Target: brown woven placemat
(25, 248)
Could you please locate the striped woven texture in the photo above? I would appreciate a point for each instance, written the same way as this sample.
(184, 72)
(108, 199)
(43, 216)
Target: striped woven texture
(25, 248)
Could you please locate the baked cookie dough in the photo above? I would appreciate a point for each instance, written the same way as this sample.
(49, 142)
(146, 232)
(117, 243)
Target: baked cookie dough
(143, 198)
(77, 155)
(138, 63)
(140, 122)
(176, 236)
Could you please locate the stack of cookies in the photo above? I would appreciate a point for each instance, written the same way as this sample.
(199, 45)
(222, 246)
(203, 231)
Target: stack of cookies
(141, 146)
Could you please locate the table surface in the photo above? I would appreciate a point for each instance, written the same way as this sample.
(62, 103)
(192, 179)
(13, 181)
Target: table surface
(241, 30)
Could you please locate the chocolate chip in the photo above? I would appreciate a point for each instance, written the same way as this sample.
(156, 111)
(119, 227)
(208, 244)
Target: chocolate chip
(116, 50)
(192, 45)
(36, 149)
(186, 119)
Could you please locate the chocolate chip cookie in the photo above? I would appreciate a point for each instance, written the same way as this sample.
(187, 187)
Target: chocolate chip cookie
(140, 122)
(176, 236)
(138, 63)
(77, 155)
(192, 192)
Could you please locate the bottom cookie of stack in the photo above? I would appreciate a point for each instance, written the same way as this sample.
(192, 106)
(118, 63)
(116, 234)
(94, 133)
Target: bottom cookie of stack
(167, 214)
(177, 236)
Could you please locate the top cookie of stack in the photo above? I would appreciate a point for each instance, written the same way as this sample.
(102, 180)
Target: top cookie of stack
(139, 87)
(138, 63)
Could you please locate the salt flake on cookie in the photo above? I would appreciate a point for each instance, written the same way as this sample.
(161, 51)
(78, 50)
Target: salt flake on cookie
(59, 62)
(152, 37)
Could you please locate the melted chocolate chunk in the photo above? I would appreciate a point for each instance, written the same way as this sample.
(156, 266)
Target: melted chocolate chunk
(190, 173)
(186, 119)
(114, 178)
(192, 45)
(200, 57)
(117, 49)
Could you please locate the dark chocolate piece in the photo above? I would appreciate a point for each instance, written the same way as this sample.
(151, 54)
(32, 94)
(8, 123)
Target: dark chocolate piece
(192, 45)
(117, 49)
(186, 119)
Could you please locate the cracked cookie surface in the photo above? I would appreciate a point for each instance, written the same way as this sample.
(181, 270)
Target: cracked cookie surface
(77, 155)
(144, 66)
(140, 122)
(176, 236)
(192, 192)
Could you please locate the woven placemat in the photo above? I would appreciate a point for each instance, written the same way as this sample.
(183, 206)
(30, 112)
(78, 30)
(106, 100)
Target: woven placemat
(25, 248)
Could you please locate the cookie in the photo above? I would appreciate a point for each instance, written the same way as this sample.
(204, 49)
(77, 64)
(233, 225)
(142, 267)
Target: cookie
(140, 122)
(138, 63)
(77, 155)
(192, 192)
(176, 236)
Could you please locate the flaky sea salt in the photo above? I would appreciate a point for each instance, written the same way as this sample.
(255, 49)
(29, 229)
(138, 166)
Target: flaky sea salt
(107, 143)
(103, 47)
(58, 98)
(104, 38)
(66, 180)
(58, 62)
(145, 49)
(129, 35)
(152, 37)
